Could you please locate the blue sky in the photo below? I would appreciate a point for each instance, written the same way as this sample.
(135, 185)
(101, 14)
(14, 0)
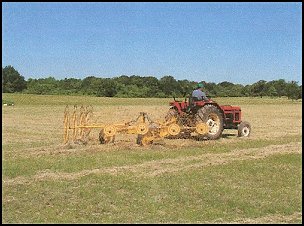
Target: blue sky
(212, 42)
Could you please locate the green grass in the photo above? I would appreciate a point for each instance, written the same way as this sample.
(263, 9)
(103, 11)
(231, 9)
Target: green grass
(226, 192)
(50, 100)
(8, 102)
(19, 165)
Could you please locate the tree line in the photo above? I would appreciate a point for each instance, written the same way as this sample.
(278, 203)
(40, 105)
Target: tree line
(143, 86)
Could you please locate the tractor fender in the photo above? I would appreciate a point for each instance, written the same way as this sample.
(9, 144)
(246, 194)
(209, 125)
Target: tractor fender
(203, 103)
(177, 106)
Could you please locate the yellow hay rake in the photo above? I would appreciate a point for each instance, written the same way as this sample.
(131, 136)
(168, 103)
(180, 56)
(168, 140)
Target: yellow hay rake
(78, 124)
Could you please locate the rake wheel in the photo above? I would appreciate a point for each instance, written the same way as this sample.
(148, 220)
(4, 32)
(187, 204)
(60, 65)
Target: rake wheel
(103, 139)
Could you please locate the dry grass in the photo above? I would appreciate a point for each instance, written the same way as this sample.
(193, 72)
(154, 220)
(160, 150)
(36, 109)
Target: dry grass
(34, 154)
(45, 124)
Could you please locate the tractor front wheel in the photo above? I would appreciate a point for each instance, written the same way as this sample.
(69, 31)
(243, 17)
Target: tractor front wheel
(244, 129)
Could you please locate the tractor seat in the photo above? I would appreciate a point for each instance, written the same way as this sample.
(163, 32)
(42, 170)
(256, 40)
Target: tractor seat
(191, 101)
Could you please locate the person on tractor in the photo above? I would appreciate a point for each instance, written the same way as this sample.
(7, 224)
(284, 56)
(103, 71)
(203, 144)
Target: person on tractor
(198, 93)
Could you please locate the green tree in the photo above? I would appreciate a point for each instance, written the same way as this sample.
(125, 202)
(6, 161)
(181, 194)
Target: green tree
(272, 92)
(123, 79)
(43, 86)
(90, 85)
(293, 90)
(132, 91)
(259, 88)
(280, 86)
(236, 90)
(228, 89)
(226, 84)
(107, 88)
(169, 85)
(221, 91)
(184, 87)
(300, 92)
(151, 86)
(12, 81)
(211, 89)
(246, 91)
(69, 86)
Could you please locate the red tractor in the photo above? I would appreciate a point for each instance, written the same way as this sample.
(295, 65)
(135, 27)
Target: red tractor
(190, 113)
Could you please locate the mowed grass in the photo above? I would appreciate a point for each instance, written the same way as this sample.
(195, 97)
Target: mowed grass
(256, 179)
(226, 192)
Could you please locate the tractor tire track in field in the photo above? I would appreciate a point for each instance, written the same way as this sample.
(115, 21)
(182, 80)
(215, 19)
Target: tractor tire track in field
(160, 167)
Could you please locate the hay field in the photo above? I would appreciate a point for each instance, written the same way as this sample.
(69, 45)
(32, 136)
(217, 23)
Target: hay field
(230, 180)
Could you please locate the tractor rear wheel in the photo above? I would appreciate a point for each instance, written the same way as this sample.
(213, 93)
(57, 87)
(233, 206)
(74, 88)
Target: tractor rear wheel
(212, 116)
(244, 129)
(172, 113)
